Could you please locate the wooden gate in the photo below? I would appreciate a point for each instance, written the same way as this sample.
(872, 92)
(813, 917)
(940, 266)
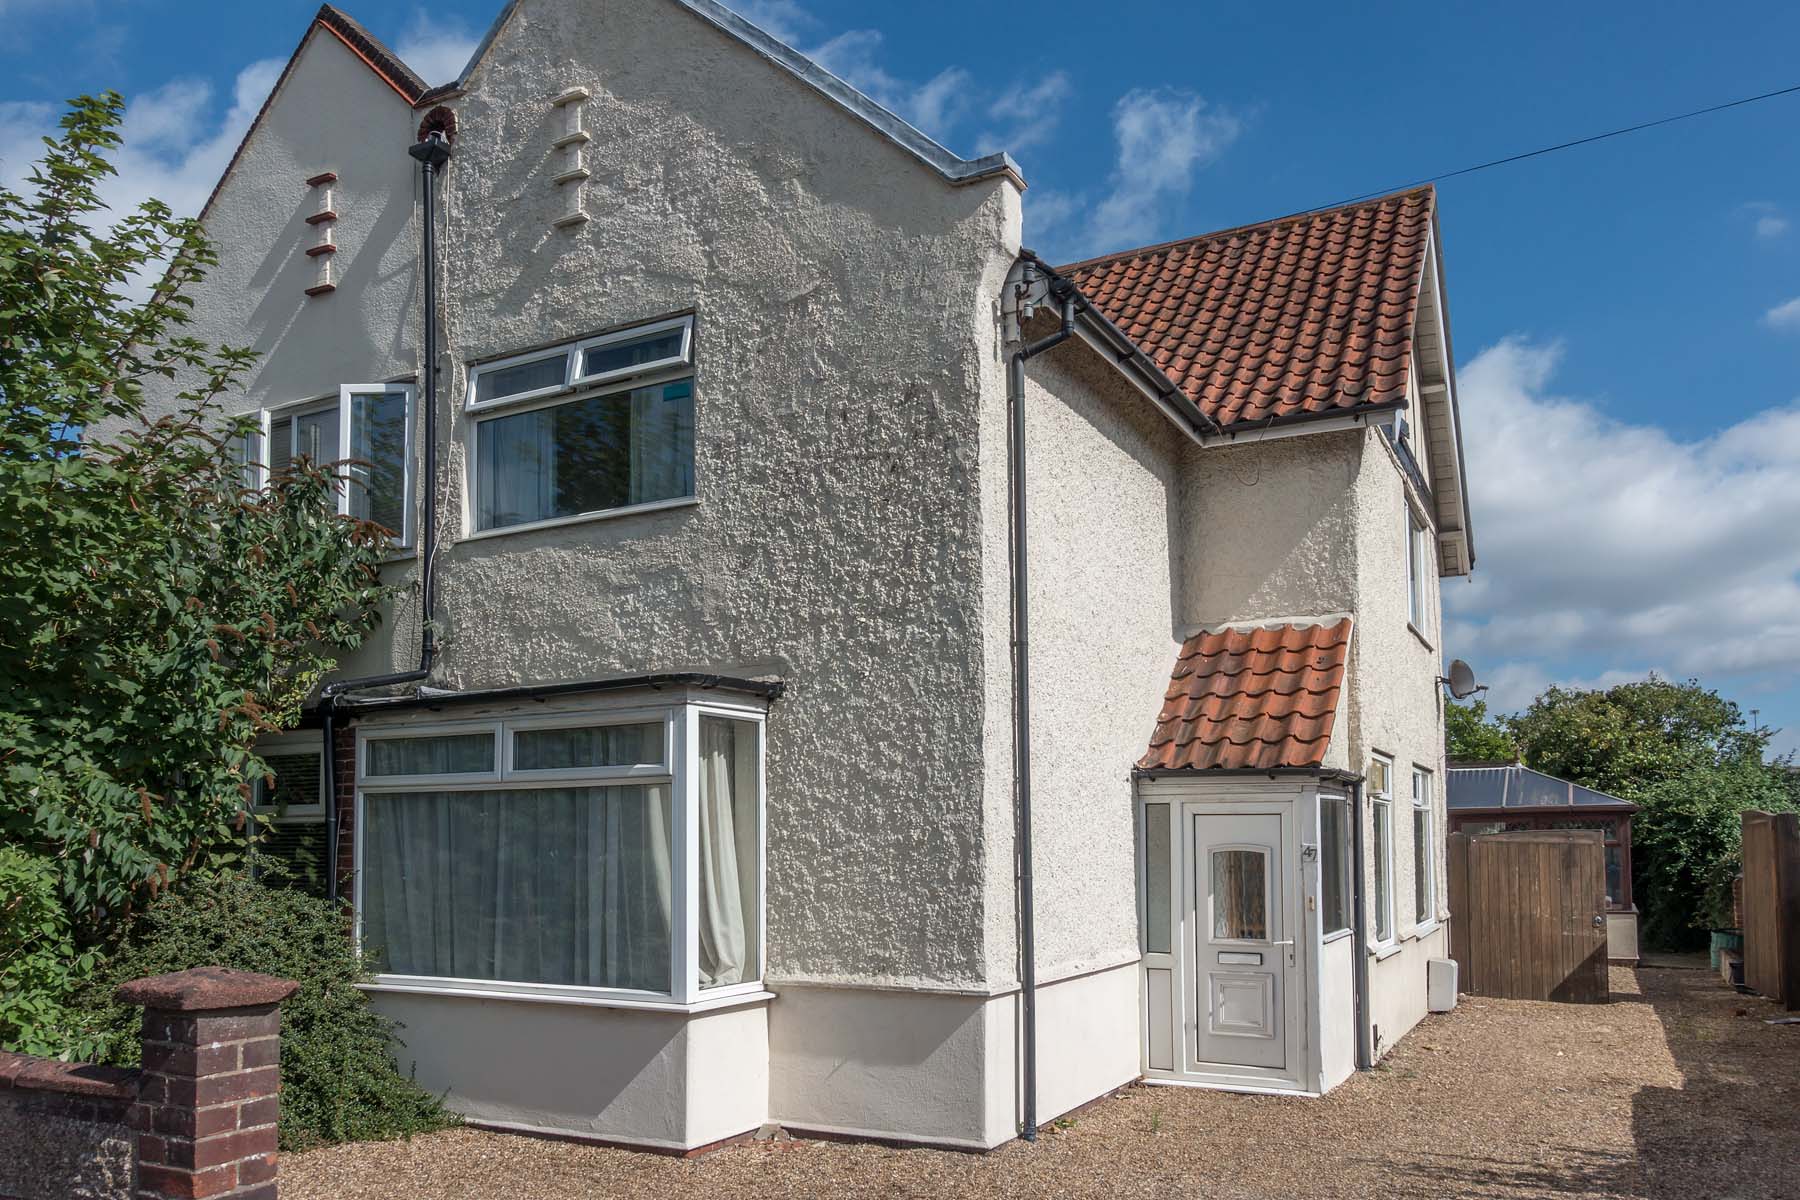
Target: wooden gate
(1772, 906)
(1529, 914)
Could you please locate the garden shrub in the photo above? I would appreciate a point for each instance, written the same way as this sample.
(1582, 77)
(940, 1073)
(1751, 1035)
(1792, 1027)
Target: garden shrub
(339, 1081)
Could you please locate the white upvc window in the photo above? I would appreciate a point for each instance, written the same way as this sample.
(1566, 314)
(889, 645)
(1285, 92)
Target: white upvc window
(597, 425)
(1415, 571)
(295, 785)
(366, 429)
(289, 805)
(1424, 850)
(1335, 904)
(1381, 806)
(604, 854)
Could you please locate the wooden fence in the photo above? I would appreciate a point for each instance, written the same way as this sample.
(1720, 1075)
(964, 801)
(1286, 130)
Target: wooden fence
(1530, 914)
(1771, 901)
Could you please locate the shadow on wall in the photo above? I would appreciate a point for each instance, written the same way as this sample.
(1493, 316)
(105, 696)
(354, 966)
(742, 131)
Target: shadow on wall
(1270, 528)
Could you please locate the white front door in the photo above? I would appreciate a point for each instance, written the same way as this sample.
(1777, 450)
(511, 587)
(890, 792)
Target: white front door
(1242, 942)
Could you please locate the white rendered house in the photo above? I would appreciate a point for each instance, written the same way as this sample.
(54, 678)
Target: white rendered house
(875, 681)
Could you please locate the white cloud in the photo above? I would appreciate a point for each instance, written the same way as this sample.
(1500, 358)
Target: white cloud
(1784, 316)
(175, 145)
(1608, 548)
(1164, 137)
(935, 106)
(437, 50)
(22, 124)
(1025, 117)
(783, 18)
(1766, 218)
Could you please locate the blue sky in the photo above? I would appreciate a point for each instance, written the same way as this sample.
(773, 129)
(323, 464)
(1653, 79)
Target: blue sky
(1626, 315)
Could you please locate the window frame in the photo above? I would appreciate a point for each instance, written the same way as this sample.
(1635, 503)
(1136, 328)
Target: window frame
(1415, 569)
(1345, 867)
(403, 537)
(295, 742)
(573, 352)
(1427, 871)
(681, 773)
(472, 470)
(1383, 860)
(268, 415)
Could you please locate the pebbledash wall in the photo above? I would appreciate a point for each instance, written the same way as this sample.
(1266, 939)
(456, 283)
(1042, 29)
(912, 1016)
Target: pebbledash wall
(848, 536)
(1337, 543)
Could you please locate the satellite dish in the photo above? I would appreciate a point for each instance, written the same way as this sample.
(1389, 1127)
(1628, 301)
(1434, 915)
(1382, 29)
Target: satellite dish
(1462, 680)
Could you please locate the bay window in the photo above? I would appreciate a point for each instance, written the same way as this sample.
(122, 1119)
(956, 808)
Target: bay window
(592, 426)
(611, 856)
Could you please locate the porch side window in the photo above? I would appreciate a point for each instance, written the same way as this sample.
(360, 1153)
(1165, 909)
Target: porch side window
(1382, 809)
(1424, 856)
(1334, 865)
(592, 426)
(546, 854)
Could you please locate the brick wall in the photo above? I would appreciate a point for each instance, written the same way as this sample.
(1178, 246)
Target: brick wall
(198, 1120)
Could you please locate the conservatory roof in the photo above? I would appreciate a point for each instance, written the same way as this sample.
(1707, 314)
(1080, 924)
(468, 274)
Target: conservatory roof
(1513, 785)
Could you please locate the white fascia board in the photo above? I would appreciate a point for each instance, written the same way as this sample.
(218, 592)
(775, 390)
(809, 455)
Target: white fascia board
(1453, 502)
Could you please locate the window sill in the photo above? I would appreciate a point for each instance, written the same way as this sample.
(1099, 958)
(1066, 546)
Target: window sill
(1329, 938)
(733, 999)
(1423, 640)
(1383, 953)
(1423, 931)
(630, 510)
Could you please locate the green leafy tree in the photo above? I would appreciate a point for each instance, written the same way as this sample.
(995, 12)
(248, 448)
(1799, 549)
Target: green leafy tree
(338, 1078)
(1628, 738)
(156, 615)
(1470, 735)
(1687, 758)
(1688, 843)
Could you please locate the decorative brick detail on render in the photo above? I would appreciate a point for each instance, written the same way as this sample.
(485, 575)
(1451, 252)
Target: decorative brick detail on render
(572, 174)
(323, 221)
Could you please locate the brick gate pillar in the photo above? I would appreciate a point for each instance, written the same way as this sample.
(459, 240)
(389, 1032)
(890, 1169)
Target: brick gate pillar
(204, 1121)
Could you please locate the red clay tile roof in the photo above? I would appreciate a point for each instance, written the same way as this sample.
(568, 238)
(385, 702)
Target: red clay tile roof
(1252, 698)
(1304, 316)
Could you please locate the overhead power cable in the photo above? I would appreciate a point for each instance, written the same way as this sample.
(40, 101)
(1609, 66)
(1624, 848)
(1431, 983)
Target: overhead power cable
(1598, 137)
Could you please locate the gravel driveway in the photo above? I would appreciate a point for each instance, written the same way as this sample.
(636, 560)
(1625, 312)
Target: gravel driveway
(1676, 1089)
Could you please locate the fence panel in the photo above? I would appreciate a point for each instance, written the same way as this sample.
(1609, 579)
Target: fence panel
(1771, 902)
(1530, 914)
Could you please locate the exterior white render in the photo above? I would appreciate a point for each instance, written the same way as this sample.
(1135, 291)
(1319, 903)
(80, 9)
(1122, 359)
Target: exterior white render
(844, 289)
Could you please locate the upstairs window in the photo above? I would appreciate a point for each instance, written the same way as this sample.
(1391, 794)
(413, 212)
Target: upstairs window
(597, 425)
(365, 435)
(1415, 571)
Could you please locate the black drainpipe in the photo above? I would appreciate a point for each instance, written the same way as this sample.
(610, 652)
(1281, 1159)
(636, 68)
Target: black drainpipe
(432, 151)
(1359, 944)
(1015, 397)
